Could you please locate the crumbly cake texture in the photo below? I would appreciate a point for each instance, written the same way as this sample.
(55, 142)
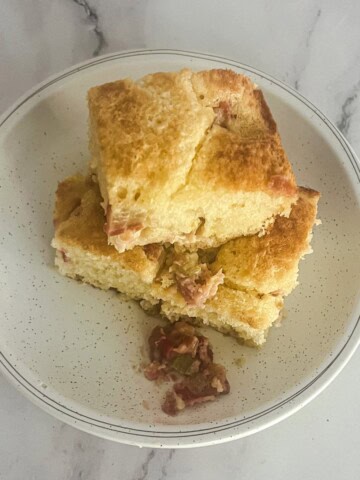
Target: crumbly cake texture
(240, 306)
(192, 158)
(82, 247)
(269, 264)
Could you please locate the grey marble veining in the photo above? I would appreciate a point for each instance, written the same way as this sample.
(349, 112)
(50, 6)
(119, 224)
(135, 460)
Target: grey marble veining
(93, 19)
(348, 109)
(306, 49)
(313, 45)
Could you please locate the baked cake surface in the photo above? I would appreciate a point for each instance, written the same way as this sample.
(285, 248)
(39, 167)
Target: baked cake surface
(187, 158)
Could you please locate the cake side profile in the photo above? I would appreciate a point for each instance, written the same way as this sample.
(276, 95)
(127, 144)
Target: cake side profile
(82, 251)
(180, 284)
(270, 264)
(187, 158)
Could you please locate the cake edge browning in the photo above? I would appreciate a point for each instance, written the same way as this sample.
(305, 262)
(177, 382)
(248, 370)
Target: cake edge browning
(133, 224)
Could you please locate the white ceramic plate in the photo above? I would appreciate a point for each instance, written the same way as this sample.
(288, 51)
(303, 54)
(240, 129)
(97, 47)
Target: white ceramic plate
(72, 349)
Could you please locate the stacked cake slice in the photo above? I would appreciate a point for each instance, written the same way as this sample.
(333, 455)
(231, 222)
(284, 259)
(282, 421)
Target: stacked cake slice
(187, 158)
(192, 206)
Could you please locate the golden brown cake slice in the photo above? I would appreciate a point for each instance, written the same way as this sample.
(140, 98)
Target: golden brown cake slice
(82, 251)
(192, 158)
(270, 264)
(258, 272)
(242, 314)
(193, 284)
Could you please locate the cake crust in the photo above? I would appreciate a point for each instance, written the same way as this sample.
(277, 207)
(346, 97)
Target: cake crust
(167, 147)
(79, 225)
(269, 264)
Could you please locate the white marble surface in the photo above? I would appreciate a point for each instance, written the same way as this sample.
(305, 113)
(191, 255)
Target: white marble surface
(314, 45)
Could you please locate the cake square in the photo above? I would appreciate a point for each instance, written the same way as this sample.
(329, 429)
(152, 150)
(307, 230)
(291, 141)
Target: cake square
(192, 158)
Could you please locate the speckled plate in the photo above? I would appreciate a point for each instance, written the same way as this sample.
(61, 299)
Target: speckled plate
(74, 350)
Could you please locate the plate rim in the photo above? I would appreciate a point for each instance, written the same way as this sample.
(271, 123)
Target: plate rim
(213, 434)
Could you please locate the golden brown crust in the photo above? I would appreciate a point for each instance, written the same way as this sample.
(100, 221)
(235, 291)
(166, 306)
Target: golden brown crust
(80, 223)
(269, 263)
(149, 129)
(213, 86)
(158, 137)
(68, 197)
(245, 151)
(228, 162)
(309, 193)
(265, 112)
(255, 308)
(248, 112)
(232, 311)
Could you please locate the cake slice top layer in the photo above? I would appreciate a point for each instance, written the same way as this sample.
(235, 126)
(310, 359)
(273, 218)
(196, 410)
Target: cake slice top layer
(192, 158)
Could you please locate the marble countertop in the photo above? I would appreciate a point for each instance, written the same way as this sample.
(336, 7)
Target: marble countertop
(313, 45)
